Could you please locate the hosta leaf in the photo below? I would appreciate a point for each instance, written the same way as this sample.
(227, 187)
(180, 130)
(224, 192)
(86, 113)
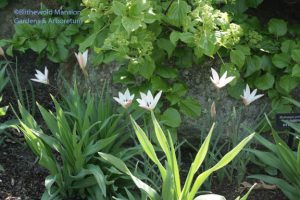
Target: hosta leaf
(38, 45)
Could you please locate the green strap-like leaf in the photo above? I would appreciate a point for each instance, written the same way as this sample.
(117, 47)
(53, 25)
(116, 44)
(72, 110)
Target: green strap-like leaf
(120, 165)
(223, 162)
(148, 147)
(197, 163)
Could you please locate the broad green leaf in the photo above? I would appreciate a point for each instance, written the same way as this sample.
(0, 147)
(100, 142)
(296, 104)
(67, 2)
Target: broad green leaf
(190, 107)
(281, 60)
(147, 67)
(71, 30)
(3, 3)
(296, 103)
(287, 46)
(187, 37)
(296, 70)
(277, 27)
(177, 14)
(281, 106)
(88, 42)
(237, 57)
(252, 65)
(254, 3)
(184, 57)
(174, 37)
(265, 81)
(288, 83)
(166, 45)
(177, 91)
(208, 45)
(171, 117)
(159, 84)
(296, 55)
(166, 72)
(243, 48)
(119, 8)
(131, 23)
(237, 90)
(38, 45)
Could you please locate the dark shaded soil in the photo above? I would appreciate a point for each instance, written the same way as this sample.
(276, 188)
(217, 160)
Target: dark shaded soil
(231, 193)
(22, 179)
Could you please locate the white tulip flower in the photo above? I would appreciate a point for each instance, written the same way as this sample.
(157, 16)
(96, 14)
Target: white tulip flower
(125, 99)
(40, 77)
(220, 82)
(249, 97)
(82, 60)
(147, 101)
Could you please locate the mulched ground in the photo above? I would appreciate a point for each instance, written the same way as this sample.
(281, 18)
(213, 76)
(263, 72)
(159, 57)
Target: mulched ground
(22, 179)
(231, 193)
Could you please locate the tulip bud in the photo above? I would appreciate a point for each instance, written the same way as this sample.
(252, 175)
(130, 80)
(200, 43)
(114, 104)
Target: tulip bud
(2, 52)
(213, 111)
